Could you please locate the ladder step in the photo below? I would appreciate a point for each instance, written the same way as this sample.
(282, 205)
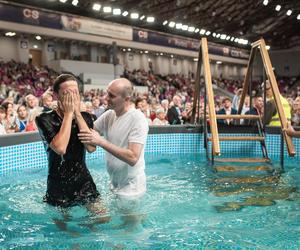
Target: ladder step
(242, 160)
(240, 138)
(241, 180)
(237, 117)
(242, 168)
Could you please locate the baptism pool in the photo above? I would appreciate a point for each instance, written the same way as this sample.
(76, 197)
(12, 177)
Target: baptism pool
(186, 207)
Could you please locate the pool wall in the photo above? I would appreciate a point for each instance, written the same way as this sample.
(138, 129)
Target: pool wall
(21, 152)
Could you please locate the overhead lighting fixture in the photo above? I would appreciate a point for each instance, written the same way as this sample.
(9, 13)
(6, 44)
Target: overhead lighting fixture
(107, 9)
(265, 2)
(236, 40)
(125, 13)
(223, 37)
(218, 62)
(134, 15)
(129, 49)
(214, 34)
(278, 7)
(171, 24)
(10, 33)
(142, 17)
(75, 2)
(35, 46)
(96, 6)
(208, 33)
(231, 39)
(298, 17)
(116, 12)
(38, 38)
(184, 27)
(63, 1)
(191, 29)
(150, 19)
(178, 25)
(146, 52)
(218, 35)
(196, 30)
(141, 52)
(227, 38)
(289, 12)
(202, 31)
(268, 47)
(161, 54)
(195, 59)
(124, 50)
(165, 22)
(172, 56)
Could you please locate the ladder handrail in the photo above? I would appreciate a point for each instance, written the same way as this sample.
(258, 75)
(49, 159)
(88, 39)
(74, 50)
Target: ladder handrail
(210, 97)
(276, 94)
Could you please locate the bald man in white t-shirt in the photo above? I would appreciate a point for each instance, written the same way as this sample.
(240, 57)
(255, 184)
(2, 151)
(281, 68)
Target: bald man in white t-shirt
(124, 131)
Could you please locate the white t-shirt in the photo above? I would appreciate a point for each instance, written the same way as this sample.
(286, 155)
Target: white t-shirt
(132, 126)
(2, 129)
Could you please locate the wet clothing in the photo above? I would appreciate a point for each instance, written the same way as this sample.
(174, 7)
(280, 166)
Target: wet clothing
(69, 181)
(130, 127)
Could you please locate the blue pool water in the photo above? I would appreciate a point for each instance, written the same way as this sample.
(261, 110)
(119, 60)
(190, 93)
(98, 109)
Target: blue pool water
(186, 207)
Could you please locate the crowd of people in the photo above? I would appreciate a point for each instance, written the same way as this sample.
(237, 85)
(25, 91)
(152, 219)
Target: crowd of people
(26, 91)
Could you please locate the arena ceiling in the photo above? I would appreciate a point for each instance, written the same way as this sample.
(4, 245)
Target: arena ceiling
(247, 19)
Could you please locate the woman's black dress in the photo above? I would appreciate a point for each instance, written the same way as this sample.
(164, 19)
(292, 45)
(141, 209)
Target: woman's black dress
(69, 181)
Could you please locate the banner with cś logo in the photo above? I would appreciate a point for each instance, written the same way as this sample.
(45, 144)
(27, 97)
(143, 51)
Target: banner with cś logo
(152, 37)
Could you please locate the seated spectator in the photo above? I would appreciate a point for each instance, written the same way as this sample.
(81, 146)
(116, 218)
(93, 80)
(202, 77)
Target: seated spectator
(296, 112)
(2, 119)
(31, 102)
(31, 126)
(89, 109)
(257, 109)
(11, 117)
(160, 117)
(174, 113)
(226, 110)
(22, 118)
(97, 110)
(47, 99)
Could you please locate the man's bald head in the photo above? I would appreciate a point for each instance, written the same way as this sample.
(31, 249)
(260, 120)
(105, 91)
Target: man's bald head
(124, 87)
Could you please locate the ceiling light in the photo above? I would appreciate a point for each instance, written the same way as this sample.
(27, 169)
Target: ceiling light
(38, 37)
(278, 7)
(75, 2)
(231, 39)
(165, 22)
(298, 17)
(191, 29)
(218, 62)
(35, 46)
(116, 12)
(129, 49)
(161, 54)
(96, 6)
(172, 56)
(63, 1)
(10, 33)
(107, 9)
(223, 37)
(146, 51)
(196, 30)
(268, 47)
(134, 15)
(125, 13)
(218, 35)
(178, 25)
(142, 17)
(195, 59)
(208, 33)
(184, 27)
(171, 24)
(265, 2)
(124, 50)
(141, 52)
(150, 19)
(227, 38)
(236, 40)
(289, 12)
(202, 31)
(214, 34)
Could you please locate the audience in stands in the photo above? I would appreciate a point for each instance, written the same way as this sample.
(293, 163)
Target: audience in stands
(168, 100)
